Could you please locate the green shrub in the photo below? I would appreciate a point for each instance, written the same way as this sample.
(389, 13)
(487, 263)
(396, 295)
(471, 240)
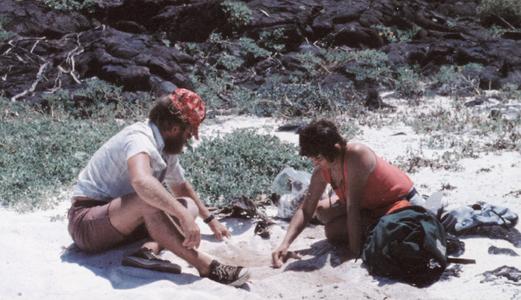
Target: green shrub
(408, 83)
(457, 79)
(40, 154)
(511, 91)
(395, 35)
(4, 34)
(299, 99)
(507, 9)
(273, 40)
(229, 62)
(251, 48)
(213, 86)
(335, 57)
(69, 5)
(311, 63)
(237, 13)
(96, 99)
(370, 65)
(238, 164)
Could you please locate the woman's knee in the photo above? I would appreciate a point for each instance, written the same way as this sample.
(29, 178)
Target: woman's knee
(336, 231)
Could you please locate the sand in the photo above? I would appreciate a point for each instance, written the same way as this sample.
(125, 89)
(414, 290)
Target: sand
(39, 260)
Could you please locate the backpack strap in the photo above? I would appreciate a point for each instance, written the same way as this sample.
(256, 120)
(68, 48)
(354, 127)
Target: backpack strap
(463, 261)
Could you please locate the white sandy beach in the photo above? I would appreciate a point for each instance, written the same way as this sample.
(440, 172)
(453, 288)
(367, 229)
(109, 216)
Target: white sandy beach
(38, 261)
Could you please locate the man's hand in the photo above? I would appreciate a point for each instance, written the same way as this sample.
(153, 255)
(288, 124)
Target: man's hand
(219, 230)
(191, 232)
(281, 255)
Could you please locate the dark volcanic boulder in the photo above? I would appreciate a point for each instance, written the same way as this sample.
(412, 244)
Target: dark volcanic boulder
(32, 18)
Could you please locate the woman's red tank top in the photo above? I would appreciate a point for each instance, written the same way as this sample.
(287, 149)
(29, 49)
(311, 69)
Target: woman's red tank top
(384, 191)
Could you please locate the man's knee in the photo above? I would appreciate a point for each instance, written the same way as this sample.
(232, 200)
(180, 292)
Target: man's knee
(134, 203)
(189, 204)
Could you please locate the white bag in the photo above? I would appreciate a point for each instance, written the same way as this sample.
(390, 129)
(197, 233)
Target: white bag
(291, 185)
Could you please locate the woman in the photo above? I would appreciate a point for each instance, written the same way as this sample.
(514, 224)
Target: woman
(367, 188)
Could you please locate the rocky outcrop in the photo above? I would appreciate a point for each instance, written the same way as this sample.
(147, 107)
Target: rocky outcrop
(135, 43)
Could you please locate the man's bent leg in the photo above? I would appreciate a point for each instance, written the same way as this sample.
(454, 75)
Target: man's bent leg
(192, 209)
(90, 227)
(128, 212)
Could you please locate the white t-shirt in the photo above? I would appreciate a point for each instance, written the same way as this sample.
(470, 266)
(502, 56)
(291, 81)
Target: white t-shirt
(106, 175)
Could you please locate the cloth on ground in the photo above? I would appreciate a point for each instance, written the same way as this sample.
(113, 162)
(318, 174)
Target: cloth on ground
(507, 272)
(501, 251)
(482, 213)
(495, 231)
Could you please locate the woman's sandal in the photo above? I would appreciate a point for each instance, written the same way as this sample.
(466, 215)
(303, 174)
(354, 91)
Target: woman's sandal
(145, 259)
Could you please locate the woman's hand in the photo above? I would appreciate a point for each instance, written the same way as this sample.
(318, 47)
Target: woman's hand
(281, 255)
(219, 230)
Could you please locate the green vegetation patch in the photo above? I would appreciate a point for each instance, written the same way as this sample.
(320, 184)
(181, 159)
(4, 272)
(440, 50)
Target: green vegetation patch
(508, 9)
(4, 34)
(69, 5)
(240, 164)
(237, 13)
(41, 154)
(396, 35)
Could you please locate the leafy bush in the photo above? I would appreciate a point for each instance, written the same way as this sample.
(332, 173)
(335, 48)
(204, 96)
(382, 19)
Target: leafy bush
(311, 63)
(41, 154)
(238, 164)
(96, 99)
(408, 83)
(335, 57)
(69, 5)
(369, 65)
(299, 99)
(4, 34)
(395, 35)
(229, 62)
(507, 9)
(511, 91)
(237, 13)
(273, 40)
(251, 48)
(498, 31)
(457, 79)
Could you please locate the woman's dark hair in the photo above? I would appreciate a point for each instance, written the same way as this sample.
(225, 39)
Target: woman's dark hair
(320, 137)
(164, 115)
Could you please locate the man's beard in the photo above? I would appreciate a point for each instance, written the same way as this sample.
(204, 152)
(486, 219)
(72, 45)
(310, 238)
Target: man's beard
(174, 144)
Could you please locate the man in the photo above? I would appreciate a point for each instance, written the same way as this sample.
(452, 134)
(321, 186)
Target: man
(120, 193)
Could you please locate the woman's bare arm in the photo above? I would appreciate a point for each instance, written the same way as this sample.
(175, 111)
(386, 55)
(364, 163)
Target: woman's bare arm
(361, 162)
(302, 216)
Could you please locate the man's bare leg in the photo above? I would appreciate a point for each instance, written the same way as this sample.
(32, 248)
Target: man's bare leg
(154, 246)
(127, 213)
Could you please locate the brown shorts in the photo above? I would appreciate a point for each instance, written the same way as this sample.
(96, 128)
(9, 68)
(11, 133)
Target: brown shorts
(90, 227)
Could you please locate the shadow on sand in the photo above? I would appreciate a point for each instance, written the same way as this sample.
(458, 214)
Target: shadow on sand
(108, 265)
(319, 251)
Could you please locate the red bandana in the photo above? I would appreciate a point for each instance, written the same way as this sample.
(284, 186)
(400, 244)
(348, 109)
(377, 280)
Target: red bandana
(191, 108)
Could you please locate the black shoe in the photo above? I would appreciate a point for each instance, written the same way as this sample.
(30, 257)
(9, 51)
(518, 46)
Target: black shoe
(231, 275)
(145, 259)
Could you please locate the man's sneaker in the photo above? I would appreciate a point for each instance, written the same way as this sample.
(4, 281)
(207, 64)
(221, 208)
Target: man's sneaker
(231, 275)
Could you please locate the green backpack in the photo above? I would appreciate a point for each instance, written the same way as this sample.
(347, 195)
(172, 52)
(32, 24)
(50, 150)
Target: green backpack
(408, 245)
